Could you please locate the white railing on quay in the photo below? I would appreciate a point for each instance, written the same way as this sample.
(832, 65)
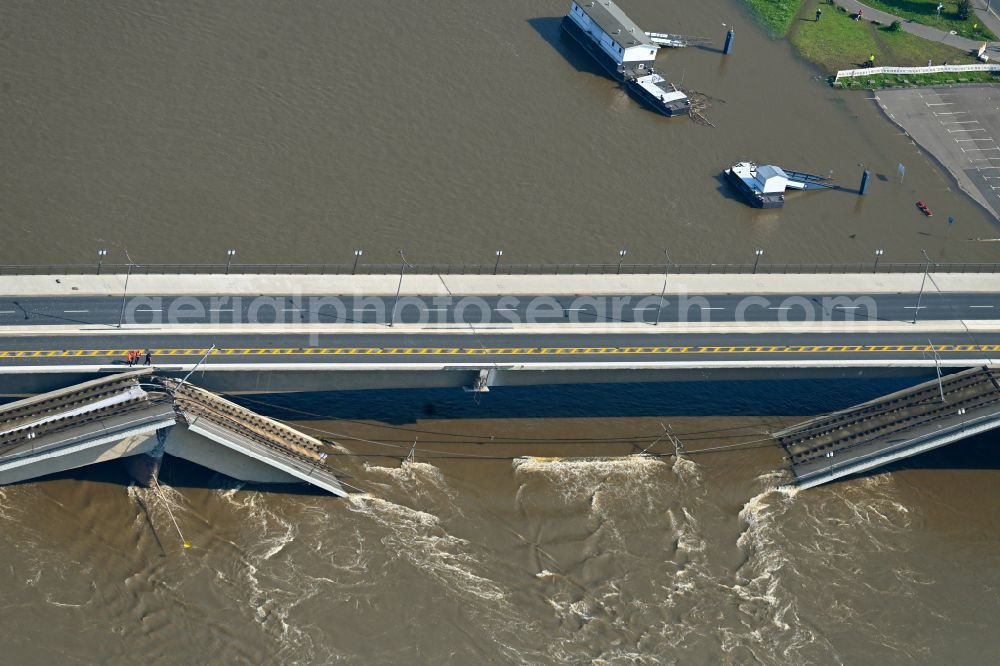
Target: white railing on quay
(936, 69)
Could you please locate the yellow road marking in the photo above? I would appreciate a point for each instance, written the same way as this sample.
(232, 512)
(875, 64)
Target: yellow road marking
(509, 351)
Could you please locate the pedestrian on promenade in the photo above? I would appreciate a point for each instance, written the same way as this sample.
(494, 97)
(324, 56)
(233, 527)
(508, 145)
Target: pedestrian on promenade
(149, 358)
(871, 60)
(819, 13)
(128, 358)
(857, 17)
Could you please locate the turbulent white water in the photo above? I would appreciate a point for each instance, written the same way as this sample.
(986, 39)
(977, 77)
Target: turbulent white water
(617, 560)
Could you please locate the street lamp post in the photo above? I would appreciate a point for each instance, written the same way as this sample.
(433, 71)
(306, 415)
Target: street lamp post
(496, 266)
(128, 273)
(100, 259)
(402, 266)
(878, 253)
(621, 258)
(920, 294)
(756, 258)
(666, 274)
(357, 255)
(230, 253)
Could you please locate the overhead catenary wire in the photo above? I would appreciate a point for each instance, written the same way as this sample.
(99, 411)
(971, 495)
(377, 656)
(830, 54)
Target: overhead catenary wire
(691, 435)
(156, 486)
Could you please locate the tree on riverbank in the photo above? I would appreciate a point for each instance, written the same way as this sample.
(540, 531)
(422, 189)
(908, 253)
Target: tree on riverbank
(957, 16)
(839, 42)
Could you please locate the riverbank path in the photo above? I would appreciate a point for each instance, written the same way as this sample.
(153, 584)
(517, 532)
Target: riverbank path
(988, 18)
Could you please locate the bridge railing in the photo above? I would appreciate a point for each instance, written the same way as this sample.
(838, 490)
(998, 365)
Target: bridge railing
(489, 269)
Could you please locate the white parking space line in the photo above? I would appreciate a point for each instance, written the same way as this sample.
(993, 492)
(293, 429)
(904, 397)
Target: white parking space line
(960, 122)
(948, 113)
(939, 103)
(976, 129)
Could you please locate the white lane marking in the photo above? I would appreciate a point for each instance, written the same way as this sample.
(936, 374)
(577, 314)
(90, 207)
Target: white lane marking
(75, 311)
(980, 306)
(651, 307)
(435, 309)
(505, 309)
(574, 309)
(292, 309)
(147, 310)
(913, 307)
(846, 307)
(705, 307)
(7, 311)
(220, 309)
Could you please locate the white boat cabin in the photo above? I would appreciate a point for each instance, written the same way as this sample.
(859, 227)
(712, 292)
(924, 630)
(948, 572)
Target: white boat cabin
(771, 179)
(616, 34)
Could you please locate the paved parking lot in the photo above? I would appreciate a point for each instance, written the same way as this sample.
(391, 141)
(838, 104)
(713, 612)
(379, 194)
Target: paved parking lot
(960, 127)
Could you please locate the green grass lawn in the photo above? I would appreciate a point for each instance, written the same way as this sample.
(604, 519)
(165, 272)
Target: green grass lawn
(839, 42)
(775, 15)
(908, 80)
(925, 11)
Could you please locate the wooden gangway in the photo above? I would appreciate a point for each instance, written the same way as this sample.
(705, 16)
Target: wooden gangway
(893, 427)
(672, 41)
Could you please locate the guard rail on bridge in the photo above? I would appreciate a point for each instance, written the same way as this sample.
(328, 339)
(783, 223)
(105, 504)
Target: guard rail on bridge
(893, 427)
(132, 413)
(502, 269)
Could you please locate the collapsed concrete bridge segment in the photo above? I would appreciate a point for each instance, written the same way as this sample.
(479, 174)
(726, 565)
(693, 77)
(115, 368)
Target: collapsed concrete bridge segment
(893, 427)
(138, 414)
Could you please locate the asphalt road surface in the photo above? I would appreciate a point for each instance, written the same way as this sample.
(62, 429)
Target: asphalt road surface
(960, 127)
(107, 310)
(496, 349)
